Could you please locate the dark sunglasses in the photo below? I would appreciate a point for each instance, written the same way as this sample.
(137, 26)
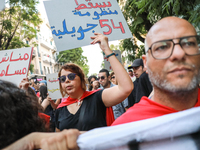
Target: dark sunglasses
(91, 82)
(102, 78)
(113, 77)
(70, 76)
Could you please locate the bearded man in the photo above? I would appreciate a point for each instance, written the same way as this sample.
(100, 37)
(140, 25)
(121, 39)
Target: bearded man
(173, 63)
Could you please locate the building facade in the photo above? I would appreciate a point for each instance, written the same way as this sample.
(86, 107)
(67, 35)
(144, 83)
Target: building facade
(44, 53)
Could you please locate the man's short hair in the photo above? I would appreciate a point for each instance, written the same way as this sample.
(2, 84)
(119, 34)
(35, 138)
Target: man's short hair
(106, 71)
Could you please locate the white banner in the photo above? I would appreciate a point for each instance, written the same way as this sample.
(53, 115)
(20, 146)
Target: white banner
(172, 131)
(14, 64)
(53, 86)
(74, 22)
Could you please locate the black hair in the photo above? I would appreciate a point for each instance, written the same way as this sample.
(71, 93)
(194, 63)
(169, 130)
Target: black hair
(89, 80)
(19, 114)
(106, 71)
(43, 92)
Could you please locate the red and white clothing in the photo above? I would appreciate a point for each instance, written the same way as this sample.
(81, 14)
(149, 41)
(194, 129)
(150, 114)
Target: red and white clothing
(146, 109)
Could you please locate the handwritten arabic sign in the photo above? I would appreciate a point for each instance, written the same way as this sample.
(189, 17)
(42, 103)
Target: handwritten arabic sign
(107, 63)
(53, 86)
(14, 64)
(73, 23)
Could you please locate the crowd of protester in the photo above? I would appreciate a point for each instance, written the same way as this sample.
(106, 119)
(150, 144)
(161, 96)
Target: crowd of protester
(155, 85)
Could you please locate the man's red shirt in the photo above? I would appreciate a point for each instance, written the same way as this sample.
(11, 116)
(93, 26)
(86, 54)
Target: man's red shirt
(146, 109)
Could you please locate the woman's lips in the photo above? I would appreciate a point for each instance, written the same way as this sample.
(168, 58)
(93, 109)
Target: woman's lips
(68, 87)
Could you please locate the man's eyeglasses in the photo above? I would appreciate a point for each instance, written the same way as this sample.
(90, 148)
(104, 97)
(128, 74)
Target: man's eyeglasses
(113, 77)
(70, 76)
(164, 49)
(102, 78)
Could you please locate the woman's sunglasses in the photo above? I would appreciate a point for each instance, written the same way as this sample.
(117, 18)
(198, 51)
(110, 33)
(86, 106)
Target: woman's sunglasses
(113, 77)
(70, 76)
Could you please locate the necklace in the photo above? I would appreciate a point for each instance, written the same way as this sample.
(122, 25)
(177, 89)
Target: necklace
(79, 102)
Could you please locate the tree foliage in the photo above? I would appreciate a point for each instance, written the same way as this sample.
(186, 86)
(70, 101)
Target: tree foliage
(74, 56)
(142, 14)
(17, 23)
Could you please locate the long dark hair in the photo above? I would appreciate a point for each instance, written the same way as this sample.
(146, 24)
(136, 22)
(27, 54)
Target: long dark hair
(19, 114)
(43, 92)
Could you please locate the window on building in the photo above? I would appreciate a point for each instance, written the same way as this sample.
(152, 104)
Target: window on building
(48, 70)
(40, 67)
(38, 51)
(45, 71)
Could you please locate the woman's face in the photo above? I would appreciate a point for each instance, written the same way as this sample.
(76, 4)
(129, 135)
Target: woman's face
(92, 80)
(113, 79)
(70, 86)
(95, 85)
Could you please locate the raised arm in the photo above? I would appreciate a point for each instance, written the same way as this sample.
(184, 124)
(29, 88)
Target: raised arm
(116, 94)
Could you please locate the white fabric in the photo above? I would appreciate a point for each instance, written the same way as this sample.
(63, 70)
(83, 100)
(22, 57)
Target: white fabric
(163, 127)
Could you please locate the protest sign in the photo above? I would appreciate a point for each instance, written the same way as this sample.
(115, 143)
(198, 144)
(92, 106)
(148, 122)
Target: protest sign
(107, 63)
(14, 64)
(73, 23)
(53, 86)
(2, 4)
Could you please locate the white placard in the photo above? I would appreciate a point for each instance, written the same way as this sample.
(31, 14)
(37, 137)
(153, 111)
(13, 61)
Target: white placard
(2, 4)
(53, 86)
(107, 63)
(74, 22)
(14, 64)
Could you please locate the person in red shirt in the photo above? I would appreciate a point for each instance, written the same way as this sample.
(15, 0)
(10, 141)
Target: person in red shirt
(172, 62)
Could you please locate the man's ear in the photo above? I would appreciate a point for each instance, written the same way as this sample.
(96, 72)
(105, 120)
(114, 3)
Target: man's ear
(144, 58)
(109, 77)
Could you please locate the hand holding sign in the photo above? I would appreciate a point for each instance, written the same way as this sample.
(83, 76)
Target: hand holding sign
(103, 42)
(24, 84)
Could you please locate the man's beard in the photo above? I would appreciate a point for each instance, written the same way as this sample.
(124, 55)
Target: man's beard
(105, 84)
(165, 85)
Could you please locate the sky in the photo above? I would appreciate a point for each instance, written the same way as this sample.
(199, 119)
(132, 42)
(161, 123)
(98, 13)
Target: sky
(92, 52)
(95, 57)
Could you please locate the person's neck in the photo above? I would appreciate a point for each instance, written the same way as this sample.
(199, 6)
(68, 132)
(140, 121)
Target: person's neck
(77, 94)
(177, 101)
(108, 85)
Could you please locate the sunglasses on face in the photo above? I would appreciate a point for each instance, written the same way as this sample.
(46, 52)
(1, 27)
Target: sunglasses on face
(102, 78)
(113, 77)
(70, 76)
(91, 82)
